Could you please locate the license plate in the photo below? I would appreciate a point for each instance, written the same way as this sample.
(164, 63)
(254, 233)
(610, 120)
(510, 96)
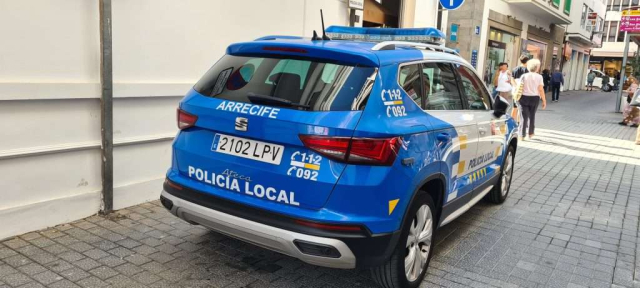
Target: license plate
(249, 149)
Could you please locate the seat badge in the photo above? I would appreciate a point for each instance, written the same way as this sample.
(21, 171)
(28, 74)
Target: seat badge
(242, 124)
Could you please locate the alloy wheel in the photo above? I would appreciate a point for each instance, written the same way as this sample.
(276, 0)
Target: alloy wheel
(507, 172)
(418, 243)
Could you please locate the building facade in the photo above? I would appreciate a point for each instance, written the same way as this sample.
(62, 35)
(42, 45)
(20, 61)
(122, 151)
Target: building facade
(583, 35)
(608, 59)
(493, 31)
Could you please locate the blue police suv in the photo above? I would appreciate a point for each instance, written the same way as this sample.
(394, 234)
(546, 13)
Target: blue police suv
(342, 153)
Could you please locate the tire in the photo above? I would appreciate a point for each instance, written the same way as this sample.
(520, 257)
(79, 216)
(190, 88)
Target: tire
(392, 273)
(500, 192)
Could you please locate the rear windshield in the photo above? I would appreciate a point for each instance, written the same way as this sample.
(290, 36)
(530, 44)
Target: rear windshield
(302, 84)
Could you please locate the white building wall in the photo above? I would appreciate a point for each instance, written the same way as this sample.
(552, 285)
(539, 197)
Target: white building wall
(50, 93)
(427, 13)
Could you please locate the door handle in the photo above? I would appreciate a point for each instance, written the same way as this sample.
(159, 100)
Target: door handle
(482, 130)
(444, 137)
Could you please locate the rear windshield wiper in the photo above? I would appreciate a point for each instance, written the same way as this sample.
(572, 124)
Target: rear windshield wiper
(266, 99)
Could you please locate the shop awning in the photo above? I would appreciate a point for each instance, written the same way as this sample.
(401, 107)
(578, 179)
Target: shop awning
(609, 54)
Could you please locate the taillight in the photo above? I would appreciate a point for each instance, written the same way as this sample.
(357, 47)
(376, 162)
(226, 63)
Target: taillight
(370, 151)
(186, 120)
(332, 147)
(382, 151)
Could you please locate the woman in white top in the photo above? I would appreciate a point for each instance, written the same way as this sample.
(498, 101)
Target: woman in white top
(503, 81)
(532, 93)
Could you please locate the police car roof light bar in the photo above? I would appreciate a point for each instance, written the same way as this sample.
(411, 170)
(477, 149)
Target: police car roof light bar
(389, 45)
(422, 35)
(276, 37)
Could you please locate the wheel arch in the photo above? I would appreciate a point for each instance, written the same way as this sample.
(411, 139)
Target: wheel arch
(513, 143)
(434, 185)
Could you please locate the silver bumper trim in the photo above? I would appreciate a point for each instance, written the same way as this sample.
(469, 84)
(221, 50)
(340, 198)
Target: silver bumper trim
(262, 235)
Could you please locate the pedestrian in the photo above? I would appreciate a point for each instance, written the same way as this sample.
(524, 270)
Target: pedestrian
(631, 114)
(616, 81)
(590, 78)
(503, 82)
(546, 77)
(517, 73)
(522, 68)
(532, 93)
(606, 86)
(492, 78)
(557, 80)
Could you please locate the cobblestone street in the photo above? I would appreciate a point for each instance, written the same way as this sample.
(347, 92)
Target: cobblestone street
(571, 221)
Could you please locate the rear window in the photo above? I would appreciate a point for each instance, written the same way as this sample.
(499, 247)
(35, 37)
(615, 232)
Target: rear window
(307, 85)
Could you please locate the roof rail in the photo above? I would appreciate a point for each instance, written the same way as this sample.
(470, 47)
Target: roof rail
(390, 45)
(275, 37)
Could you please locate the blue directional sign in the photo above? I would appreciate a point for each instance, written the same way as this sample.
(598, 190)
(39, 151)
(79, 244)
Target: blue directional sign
(474, 58)
(453, 33)
(451, 4)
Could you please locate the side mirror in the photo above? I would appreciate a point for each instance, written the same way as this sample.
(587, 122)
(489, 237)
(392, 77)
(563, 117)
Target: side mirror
(500, 107)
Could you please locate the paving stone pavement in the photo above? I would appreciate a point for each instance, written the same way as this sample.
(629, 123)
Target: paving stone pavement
(571, 221)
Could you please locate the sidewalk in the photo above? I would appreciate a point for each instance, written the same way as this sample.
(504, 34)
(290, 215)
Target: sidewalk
(571, 221)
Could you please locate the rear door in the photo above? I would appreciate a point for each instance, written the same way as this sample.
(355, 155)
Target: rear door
(454, 127)
(251, 111)
(491, 131)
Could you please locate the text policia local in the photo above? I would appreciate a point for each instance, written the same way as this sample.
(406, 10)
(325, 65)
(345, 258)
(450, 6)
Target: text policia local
(224, 181)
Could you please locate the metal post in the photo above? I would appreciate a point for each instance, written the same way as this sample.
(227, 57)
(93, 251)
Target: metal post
(106, 119)
(623, 73)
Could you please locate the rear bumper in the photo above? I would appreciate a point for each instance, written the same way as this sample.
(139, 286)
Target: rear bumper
(279, 232)
(272, 238)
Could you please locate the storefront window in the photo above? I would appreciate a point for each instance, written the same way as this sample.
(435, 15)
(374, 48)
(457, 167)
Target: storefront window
(501, 49)
(611, 67)
(537, 50)
(613, 29)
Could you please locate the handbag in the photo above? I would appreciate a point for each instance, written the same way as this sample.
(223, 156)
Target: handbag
(635, 101)
(516, 93)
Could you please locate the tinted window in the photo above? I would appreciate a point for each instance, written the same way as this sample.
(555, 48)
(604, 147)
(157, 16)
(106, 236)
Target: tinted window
(411, 82)
(320, 86)
(474, 89)
(441, 87)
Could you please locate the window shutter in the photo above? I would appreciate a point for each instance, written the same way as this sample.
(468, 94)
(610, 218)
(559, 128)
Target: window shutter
(567, 7)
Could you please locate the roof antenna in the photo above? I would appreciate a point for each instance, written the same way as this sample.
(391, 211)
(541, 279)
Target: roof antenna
(315, 36)
(324, 34)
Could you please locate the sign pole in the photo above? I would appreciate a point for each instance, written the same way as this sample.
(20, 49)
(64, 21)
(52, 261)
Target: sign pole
(106, 119)
(623, 73)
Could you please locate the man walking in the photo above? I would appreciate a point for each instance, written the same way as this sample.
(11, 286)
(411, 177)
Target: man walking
(517, 73)
(557, 80)
(590, 78)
